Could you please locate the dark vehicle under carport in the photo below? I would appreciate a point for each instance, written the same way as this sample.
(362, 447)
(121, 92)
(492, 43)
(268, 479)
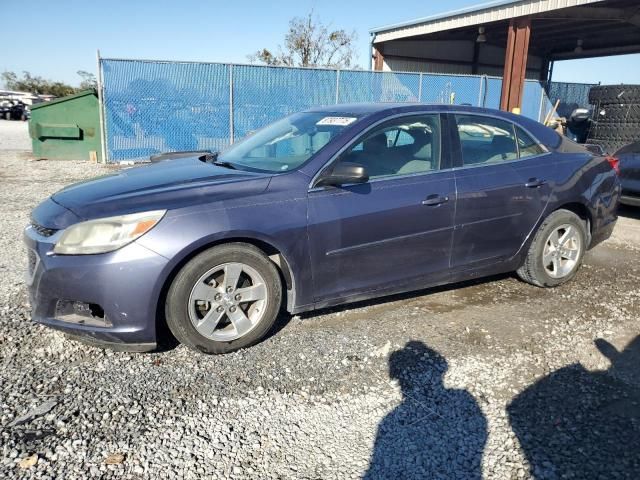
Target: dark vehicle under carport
(629, 158)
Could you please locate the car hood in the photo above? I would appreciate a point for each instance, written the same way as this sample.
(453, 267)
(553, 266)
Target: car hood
(167, 185)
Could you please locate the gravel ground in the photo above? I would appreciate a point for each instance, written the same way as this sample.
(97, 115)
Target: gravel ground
(14, 135)
(491, 379)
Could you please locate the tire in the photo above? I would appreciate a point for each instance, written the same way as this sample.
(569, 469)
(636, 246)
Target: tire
(187, 316)
(618, 129)
(619, 113)
(614, 94)
(620, 136)
(534, 271)
(614, 133)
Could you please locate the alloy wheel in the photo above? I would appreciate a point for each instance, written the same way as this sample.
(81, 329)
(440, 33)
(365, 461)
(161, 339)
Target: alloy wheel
(562, 251)
(228, 301)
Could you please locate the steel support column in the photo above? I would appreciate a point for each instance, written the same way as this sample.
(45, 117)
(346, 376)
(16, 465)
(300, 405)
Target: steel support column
(378, 59)
(476, 56)
(515, 63)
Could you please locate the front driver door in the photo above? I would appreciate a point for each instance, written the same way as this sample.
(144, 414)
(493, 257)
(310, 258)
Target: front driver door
(395, 231)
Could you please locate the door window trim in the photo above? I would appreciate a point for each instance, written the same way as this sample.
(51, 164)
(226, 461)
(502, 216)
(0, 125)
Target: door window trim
(544, 149)
(454, 129)
(444, 125)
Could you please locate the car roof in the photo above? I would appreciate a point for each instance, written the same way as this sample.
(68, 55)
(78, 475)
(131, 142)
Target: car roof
(370, 108)
(544, 134)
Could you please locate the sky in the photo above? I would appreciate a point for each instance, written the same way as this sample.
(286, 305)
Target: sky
(58, 38)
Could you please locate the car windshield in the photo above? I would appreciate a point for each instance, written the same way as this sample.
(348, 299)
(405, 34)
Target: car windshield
(288, 143)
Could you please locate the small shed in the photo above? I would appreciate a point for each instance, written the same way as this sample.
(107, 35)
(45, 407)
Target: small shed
(67, 128)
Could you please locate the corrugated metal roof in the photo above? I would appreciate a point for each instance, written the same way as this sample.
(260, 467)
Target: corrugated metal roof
(476, 15)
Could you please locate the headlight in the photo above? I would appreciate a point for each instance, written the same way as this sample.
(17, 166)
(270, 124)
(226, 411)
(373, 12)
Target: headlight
(106, 234)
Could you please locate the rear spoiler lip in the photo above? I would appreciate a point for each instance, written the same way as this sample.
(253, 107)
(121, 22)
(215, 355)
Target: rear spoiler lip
(173, 155)
(595, 149)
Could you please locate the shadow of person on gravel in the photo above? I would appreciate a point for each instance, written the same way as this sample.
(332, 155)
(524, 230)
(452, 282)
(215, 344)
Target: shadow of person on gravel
(435, 432)
(574, 423)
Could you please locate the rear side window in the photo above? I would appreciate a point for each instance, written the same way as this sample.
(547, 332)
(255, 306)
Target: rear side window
(527, 146)
(486, 140)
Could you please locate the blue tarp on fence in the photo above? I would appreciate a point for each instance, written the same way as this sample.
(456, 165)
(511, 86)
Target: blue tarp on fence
(158, 106)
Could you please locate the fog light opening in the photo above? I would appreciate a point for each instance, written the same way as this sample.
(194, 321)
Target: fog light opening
(81, 313)
(96, 311)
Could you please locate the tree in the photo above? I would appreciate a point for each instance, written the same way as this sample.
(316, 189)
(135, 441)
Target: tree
(36, 84)
(310, 43)
(42, 86)
(88, 80)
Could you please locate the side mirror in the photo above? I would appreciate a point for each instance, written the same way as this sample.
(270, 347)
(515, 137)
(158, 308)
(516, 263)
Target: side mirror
(344, 173)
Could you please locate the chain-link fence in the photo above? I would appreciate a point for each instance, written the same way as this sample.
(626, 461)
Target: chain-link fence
(158, 106)
(571, 96)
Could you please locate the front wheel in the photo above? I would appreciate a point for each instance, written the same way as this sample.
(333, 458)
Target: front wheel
(556, 251)
(224, 299)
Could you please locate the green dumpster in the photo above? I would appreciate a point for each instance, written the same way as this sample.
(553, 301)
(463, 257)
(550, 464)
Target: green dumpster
(67, 128)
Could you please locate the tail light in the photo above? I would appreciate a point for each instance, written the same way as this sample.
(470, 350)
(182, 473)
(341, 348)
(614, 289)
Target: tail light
(615, 163)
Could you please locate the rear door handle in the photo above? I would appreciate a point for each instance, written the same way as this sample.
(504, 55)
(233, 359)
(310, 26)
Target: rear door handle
(435, 200)
(535, 183)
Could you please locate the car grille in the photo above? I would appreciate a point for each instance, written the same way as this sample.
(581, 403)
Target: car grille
(44, 231)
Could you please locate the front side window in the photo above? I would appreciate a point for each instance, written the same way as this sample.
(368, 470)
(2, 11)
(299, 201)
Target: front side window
(288, 143)
(485, 140)
(404, 146)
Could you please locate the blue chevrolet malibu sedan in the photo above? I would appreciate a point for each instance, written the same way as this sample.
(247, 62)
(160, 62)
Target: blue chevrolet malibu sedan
(324, 207)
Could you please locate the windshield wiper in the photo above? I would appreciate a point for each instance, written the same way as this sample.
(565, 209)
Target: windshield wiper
(224, 164)
(212, 158)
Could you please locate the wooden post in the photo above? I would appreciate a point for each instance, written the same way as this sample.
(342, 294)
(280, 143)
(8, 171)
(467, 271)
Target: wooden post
(515, 63)
(378, 59)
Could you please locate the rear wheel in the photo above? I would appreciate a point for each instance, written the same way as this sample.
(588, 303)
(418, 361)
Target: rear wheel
(224, 299)
(556, 251)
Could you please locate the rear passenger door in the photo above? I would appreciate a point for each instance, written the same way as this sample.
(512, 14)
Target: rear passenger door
(502, 189)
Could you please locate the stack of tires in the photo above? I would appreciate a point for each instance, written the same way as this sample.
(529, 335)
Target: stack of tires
(616, 116)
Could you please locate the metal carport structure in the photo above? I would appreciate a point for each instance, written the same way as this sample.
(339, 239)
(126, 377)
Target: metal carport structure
(517, 39)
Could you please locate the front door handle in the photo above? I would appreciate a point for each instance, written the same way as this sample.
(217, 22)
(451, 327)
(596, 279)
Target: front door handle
(535, 183)
(435, 200)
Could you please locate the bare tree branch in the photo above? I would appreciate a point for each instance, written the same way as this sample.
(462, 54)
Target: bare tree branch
(310, 43)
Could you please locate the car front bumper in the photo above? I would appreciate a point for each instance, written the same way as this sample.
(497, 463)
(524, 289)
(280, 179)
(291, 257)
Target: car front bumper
(107, 299)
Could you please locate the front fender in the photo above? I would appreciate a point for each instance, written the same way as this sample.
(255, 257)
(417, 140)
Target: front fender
(280, 225)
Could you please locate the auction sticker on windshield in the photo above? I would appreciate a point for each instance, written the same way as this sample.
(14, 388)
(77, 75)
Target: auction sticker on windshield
(338, 121)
